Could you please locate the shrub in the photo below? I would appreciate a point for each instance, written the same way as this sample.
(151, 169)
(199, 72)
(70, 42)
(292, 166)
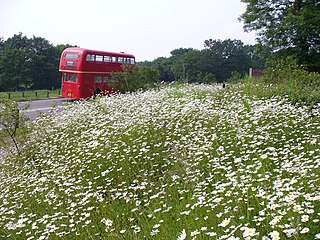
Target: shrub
(135, 78)
(287, 78)
(12, 123)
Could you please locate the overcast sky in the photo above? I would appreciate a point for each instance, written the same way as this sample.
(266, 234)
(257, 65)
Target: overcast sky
(146, 28)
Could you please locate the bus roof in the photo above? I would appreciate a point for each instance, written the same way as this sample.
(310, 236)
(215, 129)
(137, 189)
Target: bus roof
(98, 52)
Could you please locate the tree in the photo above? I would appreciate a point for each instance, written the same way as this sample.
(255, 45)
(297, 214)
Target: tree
(45, 62)
(29, 63)
(224, 57)
(290, 27)
(259, 54)
(14, 63)
(1, 44)
(134, 78)
(163, 65)
(186, 66)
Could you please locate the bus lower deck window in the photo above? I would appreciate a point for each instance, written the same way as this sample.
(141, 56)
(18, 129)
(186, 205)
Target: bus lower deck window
(97, 79)
(70, 77)
(106, 79)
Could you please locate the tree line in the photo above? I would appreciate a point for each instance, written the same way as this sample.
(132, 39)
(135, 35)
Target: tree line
(32, 63)
(29, 63)
(219, 61)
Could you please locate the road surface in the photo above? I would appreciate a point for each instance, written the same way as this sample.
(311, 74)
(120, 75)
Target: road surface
(37, 106)
(32, 113)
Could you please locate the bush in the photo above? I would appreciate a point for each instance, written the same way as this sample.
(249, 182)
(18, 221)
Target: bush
(287, 78)
(135, 78)
(12, 123)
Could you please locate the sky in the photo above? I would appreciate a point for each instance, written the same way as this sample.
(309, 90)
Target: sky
(146, 28)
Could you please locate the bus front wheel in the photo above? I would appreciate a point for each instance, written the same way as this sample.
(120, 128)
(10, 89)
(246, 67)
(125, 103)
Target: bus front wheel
(97, 92)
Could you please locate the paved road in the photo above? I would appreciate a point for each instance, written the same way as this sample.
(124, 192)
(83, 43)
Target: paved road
(43, 106)
(37, 106)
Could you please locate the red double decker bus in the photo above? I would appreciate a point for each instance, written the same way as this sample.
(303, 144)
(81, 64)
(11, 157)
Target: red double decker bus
(86, 73)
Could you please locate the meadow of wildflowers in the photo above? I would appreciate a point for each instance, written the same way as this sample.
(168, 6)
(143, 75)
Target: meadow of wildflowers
(181, 162)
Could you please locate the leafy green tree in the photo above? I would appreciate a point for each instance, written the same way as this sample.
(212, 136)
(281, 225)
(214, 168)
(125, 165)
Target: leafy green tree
(290, 27)
(164, 66)
(134, 78)
(216, 63)
(186, 66)
(224, 57)
(1, 44)
(28, 64)
(45, 64)
(259, 55)
(14, 63)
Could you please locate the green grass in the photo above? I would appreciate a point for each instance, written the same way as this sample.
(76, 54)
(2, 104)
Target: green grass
(30, 95)
(188, 160)
(285, 78)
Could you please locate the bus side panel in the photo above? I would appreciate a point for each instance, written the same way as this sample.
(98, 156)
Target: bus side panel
(87, 85)
(106, 89)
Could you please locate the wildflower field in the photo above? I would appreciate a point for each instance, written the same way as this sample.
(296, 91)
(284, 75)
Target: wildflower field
(180, 162)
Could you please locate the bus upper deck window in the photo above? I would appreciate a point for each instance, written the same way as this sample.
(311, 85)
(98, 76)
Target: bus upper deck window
(114, 59)
(99, 58)
(107, 59)
(71, 55)
(90, 57)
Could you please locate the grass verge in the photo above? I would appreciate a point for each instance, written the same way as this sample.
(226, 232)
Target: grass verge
(30, 95)
(182, 162)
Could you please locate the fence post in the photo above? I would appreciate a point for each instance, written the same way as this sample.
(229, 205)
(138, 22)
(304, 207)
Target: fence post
(36, 93)
(47, 93)
(250, 72)
(23, 94)
(9, 95)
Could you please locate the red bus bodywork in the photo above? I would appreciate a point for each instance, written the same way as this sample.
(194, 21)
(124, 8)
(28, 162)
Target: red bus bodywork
(87, 72)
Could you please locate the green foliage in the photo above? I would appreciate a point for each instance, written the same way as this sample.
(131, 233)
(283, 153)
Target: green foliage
(134, 78)
(290, 27)
(186, 65)
(235, 77)
(228, 56)
(287, 78)
(12, 123)
(29, 63)
(164, 66)
(215, 63)
(32, 63)
(259, 55)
